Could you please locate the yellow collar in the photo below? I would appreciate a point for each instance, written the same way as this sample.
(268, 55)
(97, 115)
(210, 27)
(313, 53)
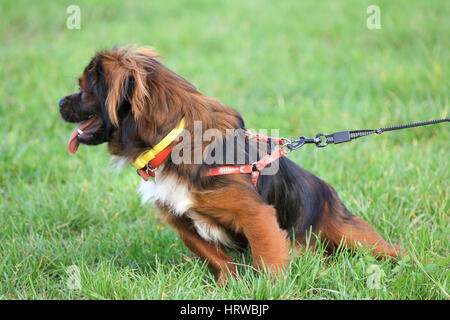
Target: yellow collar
(149, 155)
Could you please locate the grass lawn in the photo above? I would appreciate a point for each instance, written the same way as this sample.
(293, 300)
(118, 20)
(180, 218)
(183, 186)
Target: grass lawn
(298, 66)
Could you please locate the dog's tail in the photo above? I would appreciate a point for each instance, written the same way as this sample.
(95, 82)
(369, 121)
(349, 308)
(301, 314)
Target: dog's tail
(341, 228)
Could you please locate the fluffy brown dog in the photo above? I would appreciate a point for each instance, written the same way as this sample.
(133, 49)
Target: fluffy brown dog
(131, 101)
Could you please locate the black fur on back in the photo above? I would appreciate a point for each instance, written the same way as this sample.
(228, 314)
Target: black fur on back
(297, 195)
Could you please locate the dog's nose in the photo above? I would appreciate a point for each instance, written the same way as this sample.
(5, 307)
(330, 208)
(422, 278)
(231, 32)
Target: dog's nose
(60, 102)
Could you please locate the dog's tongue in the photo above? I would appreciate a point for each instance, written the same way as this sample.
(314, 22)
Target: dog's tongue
(73, 141)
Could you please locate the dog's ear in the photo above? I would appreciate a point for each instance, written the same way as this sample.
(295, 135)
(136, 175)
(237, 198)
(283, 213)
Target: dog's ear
(126, 73)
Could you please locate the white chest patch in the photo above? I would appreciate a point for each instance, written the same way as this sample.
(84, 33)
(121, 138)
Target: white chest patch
(211, 233)
(175, 194)
(169, 191)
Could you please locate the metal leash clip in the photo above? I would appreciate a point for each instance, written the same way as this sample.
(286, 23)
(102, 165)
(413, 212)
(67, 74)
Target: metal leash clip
(321, 140)
(298, 143)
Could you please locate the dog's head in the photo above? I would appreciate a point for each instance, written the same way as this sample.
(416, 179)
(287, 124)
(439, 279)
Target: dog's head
(117, 91)
(130, 100)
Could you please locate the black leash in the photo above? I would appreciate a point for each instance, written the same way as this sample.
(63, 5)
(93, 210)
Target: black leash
(322, 140)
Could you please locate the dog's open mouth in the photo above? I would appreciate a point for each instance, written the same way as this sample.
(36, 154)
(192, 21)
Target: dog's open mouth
(83, 132)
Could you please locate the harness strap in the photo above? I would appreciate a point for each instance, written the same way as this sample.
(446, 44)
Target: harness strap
(257, 166)
(260, 137)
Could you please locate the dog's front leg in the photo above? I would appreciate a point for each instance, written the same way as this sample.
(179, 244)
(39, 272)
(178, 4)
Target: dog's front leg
(218, 260)
(240, 208)
(268, 242)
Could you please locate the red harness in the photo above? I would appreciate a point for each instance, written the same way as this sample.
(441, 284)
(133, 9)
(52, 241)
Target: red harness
(252, 169)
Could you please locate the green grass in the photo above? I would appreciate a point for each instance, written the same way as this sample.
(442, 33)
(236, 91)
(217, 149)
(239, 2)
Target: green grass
(298, 66)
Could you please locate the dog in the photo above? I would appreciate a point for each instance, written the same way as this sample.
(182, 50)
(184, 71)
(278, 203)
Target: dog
(131, 101)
